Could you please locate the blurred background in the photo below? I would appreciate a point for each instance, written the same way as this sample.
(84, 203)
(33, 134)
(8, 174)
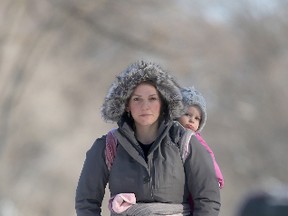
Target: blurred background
(59, 57)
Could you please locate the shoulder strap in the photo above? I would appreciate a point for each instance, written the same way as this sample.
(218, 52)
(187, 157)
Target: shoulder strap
(111, 145)
(184, 144)
(110, 149)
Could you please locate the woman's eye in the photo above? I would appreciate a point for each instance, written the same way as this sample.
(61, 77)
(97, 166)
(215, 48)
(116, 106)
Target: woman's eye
(135, 99)
(153, 98)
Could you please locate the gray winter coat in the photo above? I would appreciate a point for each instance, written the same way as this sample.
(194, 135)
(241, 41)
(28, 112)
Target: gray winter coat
(163, 178)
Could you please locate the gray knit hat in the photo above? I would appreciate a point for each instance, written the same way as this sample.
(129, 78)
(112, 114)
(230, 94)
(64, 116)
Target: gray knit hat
(193, 97)
(115, 102)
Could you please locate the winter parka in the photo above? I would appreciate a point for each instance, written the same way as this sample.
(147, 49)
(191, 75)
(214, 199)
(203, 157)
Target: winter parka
(163, 178)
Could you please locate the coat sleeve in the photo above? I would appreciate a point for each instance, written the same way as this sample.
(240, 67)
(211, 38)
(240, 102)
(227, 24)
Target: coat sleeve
(216, 166)
(202, 180)
(92, 182)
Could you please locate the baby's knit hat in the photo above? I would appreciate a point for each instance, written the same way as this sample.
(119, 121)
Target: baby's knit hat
(115, 102)
(193, 97)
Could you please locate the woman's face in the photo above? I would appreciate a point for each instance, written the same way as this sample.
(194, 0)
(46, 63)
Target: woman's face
(192, 118)
(145, 105)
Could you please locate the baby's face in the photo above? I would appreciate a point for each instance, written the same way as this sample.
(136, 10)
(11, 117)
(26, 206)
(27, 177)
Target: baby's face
(192, 118)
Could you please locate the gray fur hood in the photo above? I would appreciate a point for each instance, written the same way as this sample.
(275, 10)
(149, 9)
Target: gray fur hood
(121, 89)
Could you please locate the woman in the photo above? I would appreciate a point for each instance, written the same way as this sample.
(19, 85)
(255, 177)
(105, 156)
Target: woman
(144, 100)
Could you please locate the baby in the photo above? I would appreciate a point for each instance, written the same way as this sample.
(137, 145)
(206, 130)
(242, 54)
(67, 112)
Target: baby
(195, 118)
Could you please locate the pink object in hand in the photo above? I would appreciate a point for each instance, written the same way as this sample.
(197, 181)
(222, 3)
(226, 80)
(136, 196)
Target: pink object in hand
(121, 202)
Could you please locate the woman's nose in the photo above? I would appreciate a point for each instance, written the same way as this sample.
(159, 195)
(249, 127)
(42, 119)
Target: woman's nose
(145, 104)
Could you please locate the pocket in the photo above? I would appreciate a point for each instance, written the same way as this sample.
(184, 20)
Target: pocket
(168, 168)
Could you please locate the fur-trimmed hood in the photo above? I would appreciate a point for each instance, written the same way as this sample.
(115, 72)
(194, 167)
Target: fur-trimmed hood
(193, 97)
(115, 102)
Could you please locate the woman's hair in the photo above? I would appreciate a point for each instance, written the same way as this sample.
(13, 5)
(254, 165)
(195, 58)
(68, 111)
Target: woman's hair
(116, 100)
